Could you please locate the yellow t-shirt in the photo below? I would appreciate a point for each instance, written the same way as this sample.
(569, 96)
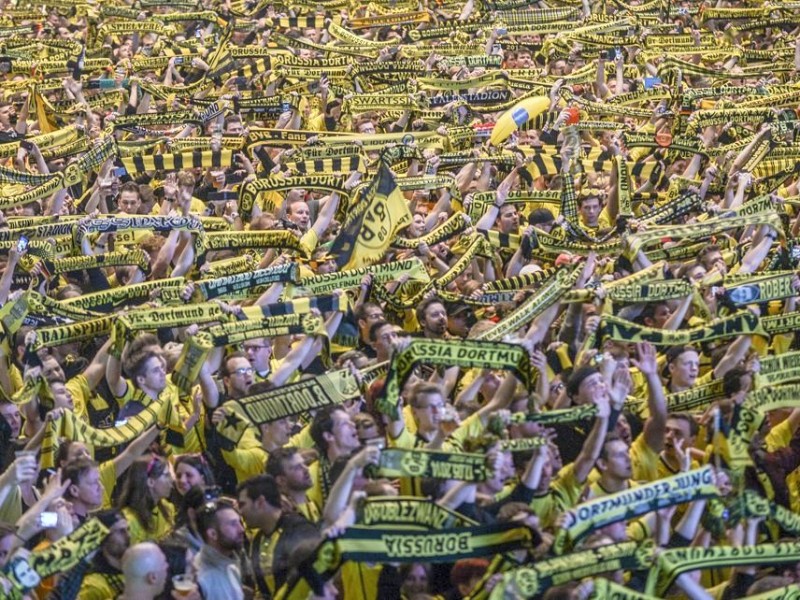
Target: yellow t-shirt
(108, 477)
(78, 388)
(360, 580)
(162, 523)
(644, 460)
(249, 458)
(101, 586)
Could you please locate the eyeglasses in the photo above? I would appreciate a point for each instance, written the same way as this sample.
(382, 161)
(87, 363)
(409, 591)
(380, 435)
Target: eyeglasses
(242, 371)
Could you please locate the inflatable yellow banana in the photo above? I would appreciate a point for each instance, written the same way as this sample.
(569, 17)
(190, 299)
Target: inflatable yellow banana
(516, 116)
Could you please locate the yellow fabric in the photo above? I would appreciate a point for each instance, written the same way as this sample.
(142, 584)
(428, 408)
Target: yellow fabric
(162, 524)
(360, 580)
(779, 437)
(95, 586)
(471, 427)
(15, 375)
(314, 494)
(567, 488)
(301, 439)
(78, 388)
(644, 460)
(249, 458)
(108, 477)
(311, 511)
(309, 241)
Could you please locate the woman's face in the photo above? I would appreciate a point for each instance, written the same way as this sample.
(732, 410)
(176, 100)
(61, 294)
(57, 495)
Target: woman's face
(416, 582)
(187, 477)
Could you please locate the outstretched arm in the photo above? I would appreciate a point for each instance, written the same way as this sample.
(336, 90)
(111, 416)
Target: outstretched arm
(656, 424)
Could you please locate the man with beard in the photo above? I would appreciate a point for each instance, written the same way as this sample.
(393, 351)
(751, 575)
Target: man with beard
(432, 318)
(289, 469)
(219, 571)
(279, 532)
(104, 579)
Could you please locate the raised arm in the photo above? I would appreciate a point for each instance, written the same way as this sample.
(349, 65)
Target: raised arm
(656, 424)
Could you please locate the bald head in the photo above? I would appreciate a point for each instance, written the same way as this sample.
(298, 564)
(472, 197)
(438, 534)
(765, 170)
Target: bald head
(144, 568)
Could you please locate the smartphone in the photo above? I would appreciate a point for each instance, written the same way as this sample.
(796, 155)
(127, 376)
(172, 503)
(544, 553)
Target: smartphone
(26, 145)
(377, 442)
(179, 60)
(119, 171)
(651, 82)
(22, 244)
(197, 33)
(48, 520)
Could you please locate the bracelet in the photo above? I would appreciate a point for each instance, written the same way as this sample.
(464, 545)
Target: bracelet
(771, 235)
(20, 538)
(497, 206)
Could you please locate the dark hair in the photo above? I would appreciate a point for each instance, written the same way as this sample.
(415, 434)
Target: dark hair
(323, 423)
(63, 452)
(194, 499)
(207, 515)
(577, 378)
(130, 186)
(373, 329)
(108, 516)
(135, 493)
(223, 369)
(423, 306)
(539, 216)
(593, 196)
(706, 251)
(611, 437)
(259, 387)
(466, 569)
(76, 470)
(682, 416)
(142, 342)
(262, 485)
(360, 312)
(732, 380)
(199, 464)
(673, 353)
(135, 364)
(274, 466)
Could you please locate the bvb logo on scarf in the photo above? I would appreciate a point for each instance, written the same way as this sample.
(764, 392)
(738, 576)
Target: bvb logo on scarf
(415, 463)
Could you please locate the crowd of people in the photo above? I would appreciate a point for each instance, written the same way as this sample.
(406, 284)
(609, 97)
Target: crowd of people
(382, 300)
